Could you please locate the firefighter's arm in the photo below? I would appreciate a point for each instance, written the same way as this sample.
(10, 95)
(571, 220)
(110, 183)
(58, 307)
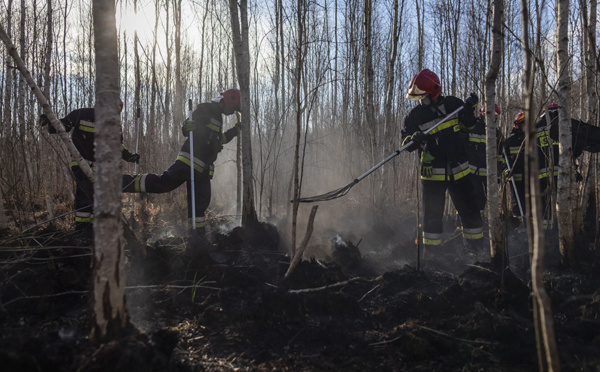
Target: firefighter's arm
(44, 120)
(231, 134)
(128, 156)
(467, 115)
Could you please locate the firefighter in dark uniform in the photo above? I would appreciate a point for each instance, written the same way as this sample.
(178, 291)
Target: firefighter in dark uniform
(477, 156)
(516, 158)
(81, 124)
(207, 127)
(444, 158)
(548, 161)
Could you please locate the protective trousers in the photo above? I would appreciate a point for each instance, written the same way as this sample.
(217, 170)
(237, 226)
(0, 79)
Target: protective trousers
(169, 180)
(481, 191)
(84, 201)
(461, 192)
(545, 197)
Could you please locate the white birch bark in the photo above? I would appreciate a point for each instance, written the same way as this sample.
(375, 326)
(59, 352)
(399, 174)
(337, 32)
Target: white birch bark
(497, 241)
(109, 313)
(566, 198)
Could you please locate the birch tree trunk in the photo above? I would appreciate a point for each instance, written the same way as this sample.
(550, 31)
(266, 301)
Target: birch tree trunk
(109, 313)
(566, 198)
(239, 26)
(46, 170)
(544, 324)
(498, 250)
(368, 76)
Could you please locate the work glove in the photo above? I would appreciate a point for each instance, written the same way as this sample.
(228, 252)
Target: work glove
(44, 120)
(133, 158)
(189, 125)
(418, 137)
(471, 101)
(426, 167)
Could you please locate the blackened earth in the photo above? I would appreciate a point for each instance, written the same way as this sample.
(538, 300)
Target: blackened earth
(345, 311)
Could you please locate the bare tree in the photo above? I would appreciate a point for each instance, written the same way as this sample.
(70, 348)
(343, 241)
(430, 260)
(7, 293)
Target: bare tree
(566, 193)
(46, 160)
(239, 26)
(544, 325)
(497, 242)
(110, 319)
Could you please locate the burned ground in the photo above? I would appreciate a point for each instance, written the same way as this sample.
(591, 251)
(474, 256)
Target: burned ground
(356, 307)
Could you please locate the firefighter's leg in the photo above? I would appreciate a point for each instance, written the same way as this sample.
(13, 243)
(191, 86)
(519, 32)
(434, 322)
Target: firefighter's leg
(84, 202)
(202, 198)
(434, 195)
(462, 192)
(169, 180)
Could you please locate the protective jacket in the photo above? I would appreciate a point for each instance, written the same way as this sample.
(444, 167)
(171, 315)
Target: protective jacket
(445, 143)
(81, 124)
(477, 148)
(446, 150)
(586, 137)
(208, 137)
(515, 153)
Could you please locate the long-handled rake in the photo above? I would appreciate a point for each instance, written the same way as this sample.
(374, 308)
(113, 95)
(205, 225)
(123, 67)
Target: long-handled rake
(344, 190)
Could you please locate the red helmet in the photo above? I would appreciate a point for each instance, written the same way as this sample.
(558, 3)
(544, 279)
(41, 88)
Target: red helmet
(232, 98)
(424, 83)
(519, 120)
(496, 109)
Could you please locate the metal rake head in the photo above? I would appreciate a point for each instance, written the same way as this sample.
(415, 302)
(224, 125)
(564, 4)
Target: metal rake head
(330, 195)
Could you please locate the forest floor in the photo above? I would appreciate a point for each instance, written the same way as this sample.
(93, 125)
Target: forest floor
(352, 308)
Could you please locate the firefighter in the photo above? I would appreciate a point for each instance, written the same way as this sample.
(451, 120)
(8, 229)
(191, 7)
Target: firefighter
(548, 161)
(209, 138)
(477, 156)
(444, 158)
(81, 124)
(514, 150)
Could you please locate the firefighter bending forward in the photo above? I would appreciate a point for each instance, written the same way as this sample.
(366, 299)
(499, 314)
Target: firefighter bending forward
(81, 124)
(444, 159)
(209, 138)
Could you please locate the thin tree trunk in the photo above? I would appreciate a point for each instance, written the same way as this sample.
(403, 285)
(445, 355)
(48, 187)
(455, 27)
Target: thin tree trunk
(368, 76)
(497, 242)
(544, 325)
(46, 169)
(566, 199)
(110, 318)
(239, 25)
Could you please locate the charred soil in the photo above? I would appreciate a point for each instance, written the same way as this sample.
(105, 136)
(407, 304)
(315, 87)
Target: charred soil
(340, 312)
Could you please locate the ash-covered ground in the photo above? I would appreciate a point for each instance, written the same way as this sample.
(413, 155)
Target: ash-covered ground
(355, 305)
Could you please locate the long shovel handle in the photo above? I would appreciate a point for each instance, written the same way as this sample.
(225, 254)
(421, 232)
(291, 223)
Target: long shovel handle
(191, 135)
(397, 152)
(137, 137)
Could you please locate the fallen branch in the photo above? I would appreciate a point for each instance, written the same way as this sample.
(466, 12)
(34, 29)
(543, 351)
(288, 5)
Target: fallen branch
(334, 285)
(12, 50)
(309, 229)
